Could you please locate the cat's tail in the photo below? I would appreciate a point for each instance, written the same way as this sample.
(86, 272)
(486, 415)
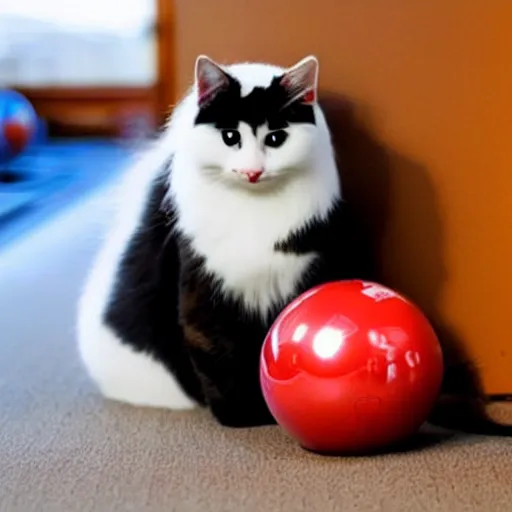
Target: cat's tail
(472, 415)
(463, 405)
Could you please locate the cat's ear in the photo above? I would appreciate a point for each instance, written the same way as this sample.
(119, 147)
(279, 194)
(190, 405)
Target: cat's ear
(301, 81)
(210, 79)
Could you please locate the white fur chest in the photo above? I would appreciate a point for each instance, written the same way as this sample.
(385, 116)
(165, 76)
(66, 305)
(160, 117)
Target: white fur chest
(236, 233)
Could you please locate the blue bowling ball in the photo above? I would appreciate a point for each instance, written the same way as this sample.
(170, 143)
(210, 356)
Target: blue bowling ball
(18, 124)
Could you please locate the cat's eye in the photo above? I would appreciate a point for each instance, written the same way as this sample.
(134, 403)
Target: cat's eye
(276, 139)
(231, 137)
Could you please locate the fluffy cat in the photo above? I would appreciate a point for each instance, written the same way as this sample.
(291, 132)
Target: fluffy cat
(235, 211)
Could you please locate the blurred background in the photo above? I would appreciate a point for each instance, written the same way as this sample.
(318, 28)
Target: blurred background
(417, 95)
(418, 98)
(80, 88)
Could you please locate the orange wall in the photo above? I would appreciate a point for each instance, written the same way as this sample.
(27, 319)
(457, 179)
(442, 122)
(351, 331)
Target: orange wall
(420, 102)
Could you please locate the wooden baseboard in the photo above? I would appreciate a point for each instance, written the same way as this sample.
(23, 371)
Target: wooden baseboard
(500, 411)
(79, 111)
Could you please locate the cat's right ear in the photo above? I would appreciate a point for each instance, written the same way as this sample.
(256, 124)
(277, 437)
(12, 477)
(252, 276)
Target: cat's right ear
(210, 79)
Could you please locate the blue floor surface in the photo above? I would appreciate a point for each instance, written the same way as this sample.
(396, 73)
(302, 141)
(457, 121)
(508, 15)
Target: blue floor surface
(50, 177)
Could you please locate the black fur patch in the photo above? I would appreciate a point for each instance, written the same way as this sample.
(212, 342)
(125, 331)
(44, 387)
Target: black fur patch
(164, 303)
(229, 364)
(260, 106)
(143, 309)
(340, 242)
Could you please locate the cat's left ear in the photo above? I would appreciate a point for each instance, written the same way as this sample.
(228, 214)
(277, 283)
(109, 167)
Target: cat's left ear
(210, 79)
(301, 81)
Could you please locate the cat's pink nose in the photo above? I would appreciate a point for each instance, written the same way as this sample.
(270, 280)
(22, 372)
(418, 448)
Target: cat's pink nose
(253, 175)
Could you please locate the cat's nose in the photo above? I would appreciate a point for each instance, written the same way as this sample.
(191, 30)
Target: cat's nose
(253, 175)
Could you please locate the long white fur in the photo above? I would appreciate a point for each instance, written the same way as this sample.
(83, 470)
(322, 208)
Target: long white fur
(121, 373)
(232, 223)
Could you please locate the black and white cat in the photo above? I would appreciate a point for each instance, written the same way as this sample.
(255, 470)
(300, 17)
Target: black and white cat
(235, 211)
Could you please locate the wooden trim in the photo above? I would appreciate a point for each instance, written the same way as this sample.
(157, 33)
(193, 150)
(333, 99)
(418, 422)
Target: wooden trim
(85, 93)
(79, 111)
(166, 59)
(500, 412)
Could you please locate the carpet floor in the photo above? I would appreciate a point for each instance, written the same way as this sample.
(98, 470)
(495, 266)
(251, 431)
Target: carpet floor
(65, 449)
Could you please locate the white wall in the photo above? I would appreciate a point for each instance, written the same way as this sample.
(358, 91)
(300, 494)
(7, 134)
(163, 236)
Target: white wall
(71, 42)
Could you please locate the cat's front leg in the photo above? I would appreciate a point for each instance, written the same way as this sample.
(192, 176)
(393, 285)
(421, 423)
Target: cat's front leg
(230, 380)
(230, 413)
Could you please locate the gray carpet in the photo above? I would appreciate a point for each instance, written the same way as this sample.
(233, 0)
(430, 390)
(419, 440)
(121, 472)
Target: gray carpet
(63, 448)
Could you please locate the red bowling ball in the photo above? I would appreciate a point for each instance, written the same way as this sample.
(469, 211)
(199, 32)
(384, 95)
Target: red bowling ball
(351, 366)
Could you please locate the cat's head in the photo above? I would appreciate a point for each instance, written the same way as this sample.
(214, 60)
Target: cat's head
(254, 123)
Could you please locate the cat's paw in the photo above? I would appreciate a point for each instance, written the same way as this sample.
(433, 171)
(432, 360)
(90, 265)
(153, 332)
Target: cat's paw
(235, 416)
(124, 374)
